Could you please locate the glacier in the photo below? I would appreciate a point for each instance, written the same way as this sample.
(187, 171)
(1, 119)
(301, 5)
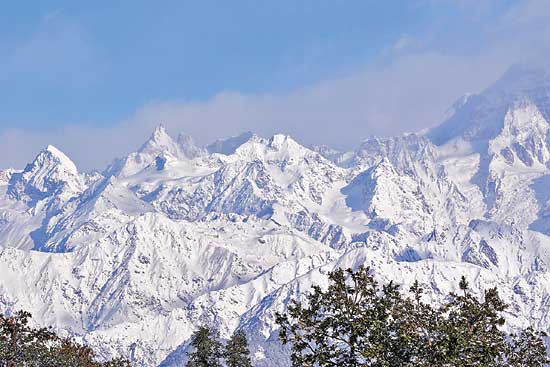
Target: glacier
(174, 235)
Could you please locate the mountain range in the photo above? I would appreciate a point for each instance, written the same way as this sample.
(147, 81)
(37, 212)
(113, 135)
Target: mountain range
(174, 235)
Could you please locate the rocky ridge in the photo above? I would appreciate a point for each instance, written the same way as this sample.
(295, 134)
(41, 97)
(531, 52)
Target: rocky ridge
(175, 235)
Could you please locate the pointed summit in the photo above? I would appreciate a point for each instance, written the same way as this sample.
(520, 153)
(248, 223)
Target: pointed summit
(57, 156)
(160, 142)
(158, 149)
(160, 130)
(49, 173)
(160, 135)
(52, 158)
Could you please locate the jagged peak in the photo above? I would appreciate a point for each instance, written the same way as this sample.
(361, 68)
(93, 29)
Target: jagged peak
(278, 146)
(159, 146)
(159, 140)
(159, 132)
(279, 141)
(249, 142)
(385, 165)
(53, 150)
(399, 150)
(247, 145)
(53, 156)
(51, 172)
(161, 143)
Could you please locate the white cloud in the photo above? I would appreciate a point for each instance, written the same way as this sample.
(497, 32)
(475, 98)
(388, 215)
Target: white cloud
(378, 101)
(410, 92)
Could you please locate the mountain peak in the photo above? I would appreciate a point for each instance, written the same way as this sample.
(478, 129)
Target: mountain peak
(279, 140)
(49, 172)
(159, 132)
(165, 243)
(228, 146)
(278, 146)
(159, 141)
(480, 117)
(53, 156)
(160, 146)
(52, 149)
(401, 151)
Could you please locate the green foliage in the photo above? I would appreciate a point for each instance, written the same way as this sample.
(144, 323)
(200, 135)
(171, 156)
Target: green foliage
(207, 349)
(236, 352)
(471, 328)
(25, 346)
(356, 322)
(527, 349)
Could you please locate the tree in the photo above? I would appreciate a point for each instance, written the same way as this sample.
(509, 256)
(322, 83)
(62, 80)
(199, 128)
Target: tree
(349, 324)
(207, 350)
(527, 349)
(25, 346)
(236, 353)
(19, 343)
(471, 328)
(356, 322)
(68, 353)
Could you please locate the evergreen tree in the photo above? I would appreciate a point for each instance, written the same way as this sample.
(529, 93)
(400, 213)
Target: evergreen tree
(418, 327)
(471, 328)
(355, 322)
(349, 324)
(24, 346)
(207, 349)
(527, 349)
(236, 352)
(21, 344)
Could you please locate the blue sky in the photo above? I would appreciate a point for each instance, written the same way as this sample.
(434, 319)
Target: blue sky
(107, 72)
(101, 62)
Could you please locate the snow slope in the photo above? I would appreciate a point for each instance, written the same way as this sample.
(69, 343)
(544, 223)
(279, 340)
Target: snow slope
(134, 259)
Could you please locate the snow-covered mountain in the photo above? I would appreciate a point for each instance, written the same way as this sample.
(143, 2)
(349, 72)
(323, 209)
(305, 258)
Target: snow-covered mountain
(134, 259)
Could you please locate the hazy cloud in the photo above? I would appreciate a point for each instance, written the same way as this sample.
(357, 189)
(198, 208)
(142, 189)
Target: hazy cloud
(382, 101)
(409, 90)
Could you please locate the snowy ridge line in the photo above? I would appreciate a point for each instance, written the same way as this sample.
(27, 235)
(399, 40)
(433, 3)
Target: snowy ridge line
(134, 259)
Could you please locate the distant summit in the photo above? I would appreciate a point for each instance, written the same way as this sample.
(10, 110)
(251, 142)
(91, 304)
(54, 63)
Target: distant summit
(228, 146)
(480, 117)
(174, 235)
(51, 173)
